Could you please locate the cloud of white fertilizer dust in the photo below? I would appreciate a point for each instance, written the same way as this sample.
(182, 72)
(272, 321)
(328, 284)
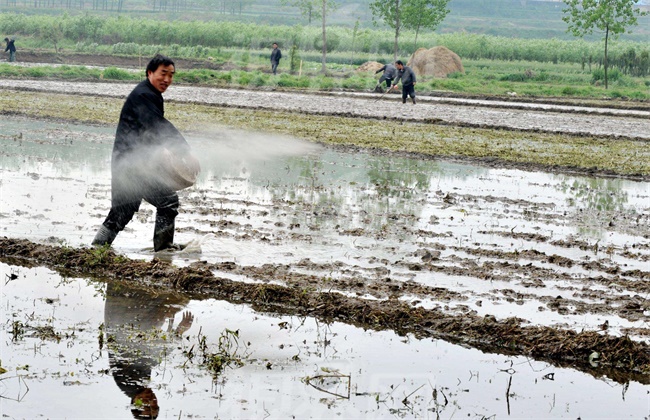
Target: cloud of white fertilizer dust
(223, 146)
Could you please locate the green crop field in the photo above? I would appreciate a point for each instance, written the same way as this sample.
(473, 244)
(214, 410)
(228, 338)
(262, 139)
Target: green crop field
(506, 46)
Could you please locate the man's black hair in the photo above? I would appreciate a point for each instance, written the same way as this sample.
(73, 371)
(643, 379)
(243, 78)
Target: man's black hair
(399, 62)
(7, 39)
(157, 61)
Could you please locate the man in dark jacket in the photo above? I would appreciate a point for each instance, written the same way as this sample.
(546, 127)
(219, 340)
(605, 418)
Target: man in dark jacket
(407, 76)
(276, 55)
(11, 48)
(389, 74)
(144, 140)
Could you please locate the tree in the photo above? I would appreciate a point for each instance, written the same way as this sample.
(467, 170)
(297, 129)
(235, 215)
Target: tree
(324, 56)
(308, 8)
(612, 17)
(390, 13)
(327, 6)
(421, 14)
(53, 32)
(409, 14)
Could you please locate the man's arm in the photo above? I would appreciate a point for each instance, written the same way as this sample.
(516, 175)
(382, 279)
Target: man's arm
(397, 79)
(156, 128)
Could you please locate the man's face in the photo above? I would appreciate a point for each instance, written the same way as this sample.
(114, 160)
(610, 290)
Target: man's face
(162, 77)
(399, 66)
(275, 46)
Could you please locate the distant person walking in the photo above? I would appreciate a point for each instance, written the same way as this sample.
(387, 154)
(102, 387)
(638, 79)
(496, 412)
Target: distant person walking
(390, 72)
(11, 48)
(407, 76)
(276, 55)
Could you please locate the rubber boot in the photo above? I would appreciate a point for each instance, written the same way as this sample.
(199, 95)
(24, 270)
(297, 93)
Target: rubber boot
(413, 101)
(104, 236)
(163, 235)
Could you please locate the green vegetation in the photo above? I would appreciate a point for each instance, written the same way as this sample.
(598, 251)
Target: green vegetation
(481, 77)
(237, 53)
(131, 36)
(620, 156)
(409, 14)
(226, 354)
(508, 18)
(612, 18)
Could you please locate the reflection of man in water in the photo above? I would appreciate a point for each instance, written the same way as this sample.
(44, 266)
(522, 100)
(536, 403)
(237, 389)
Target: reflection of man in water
(136, 342)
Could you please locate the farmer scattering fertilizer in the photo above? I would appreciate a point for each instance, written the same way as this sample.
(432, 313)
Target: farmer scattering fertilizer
(151, 160)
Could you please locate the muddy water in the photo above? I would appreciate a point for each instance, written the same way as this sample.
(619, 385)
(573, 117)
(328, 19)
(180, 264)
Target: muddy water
(289, 366)
(555, 250)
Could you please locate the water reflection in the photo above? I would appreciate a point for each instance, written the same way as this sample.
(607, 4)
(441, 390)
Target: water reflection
(389, 376)
(264, 199)
(592, 194)
(139, 328)
(68, 147)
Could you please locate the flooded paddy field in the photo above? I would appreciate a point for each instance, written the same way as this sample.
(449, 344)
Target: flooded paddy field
(321, 283)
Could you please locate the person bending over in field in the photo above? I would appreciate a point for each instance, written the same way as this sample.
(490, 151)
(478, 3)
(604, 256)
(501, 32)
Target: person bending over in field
(390, 72)
(11, 48)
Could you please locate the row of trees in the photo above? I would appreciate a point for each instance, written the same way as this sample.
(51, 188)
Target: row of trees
(611, 17)
(397, 14)
(351, 45)
(219, 6)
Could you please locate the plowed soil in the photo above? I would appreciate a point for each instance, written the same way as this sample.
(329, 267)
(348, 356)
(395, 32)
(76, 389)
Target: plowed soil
(370, 297)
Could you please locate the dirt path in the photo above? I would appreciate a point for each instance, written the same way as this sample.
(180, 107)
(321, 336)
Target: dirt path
(574, 120)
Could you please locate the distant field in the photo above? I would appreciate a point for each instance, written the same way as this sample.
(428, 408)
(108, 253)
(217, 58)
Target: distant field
(509, 18)
(236, 52)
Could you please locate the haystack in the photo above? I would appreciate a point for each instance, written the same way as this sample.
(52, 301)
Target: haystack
(369, 66)
(436, 62)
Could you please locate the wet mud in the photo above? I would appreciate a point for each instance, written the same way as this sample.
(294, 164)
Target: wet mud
(620, 358)
(535, 118)
(392, 250)
(586, 151)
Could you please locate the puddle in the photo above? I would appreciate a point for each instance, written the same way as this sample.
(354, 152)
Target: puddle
(290, 366)
(552, 250)
(267, 200)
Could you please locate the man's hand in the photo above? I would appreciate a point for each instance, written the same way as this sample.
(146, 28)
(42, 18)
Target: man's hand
(185, 323)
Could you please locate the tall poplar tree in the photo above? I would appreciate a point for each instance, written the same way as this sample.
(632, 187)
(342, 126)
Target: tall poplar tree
(389, 12)
(308, 8)
(611, 17)
(408, 14)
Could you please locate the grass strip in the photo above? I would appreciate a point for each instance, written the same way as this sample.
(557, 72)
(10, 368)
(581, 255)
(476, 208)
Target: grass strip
(526, 150)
